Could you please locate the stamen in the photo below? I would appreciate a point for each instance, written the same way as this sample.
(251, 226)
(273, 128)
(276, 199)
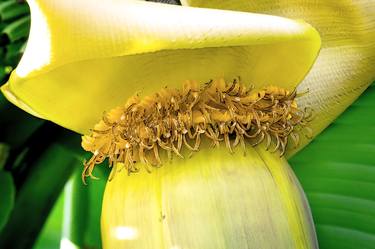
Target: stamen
(173, 120)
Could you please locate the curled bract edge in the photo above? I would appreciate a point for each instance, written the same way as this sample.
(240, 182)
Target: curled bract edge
(86, 57)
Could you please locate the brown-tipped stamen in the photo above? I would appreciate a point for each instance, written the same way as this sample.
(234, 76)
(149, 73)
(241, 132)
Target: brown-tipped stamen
(175, 119)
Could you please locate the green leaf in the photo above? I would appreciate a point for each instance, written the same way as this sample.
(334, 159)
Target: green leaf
(50, 235)
(76, 209)
(14, 52)
(17, 29)
(36, 196)
(75, 217)
(337, 172)
(82, 210)
(4, 153)
(96, 191)
(7, 193)
(12, 9)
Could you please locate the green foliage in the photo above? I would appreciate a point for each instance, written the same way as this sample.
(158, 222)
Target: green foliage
(51, 233)
(41, 183)
(12, 9)
(76, 215)
(4, 153)
(14, 30)
(337, 172)
(7, 193)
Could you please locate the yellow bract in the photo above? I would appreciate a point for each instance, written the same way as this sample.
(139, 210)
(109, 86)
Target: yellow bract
(86, 57)
(214, 200)
(346, 64)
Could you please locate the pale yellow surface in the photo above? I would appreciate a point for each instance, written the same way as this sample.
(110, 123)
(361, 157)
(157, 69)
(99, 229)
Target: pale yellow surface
(346, 64)
(89, 56)
(212, 200)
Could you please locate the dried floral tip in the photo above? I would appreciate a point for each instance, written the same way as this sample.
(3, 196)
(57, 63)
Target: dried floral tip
(174, 119)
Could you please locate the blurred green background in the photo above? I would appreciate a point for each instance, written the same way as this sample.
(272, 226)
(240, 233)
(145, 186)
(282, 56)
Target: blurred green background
(43, 201)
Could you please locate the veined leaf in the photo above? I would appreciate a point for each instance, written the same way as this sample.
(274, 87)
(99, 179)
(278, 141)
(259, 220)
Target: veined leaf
(337, 171)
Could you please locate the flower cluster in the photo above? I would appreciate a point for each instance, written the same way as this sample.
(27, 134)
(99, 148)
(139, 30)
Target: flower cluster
(175, 119)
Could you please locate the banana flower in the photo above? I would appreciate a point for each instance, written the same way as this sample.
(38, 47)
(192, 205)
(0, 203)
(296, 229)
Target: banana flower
(135, 61)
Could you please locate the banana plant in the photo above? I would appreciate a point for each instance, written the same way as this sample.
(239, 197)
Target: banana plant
(146, 73)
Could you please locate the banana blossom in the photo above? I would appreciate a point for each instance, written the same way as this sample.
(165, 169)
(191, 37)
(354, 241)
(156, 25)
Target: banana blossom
(87, 57)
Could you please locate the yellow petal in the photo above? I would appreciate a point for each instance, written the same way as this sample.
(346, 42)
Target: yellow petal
(212, 200)
(346, 64)
(85, 57)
